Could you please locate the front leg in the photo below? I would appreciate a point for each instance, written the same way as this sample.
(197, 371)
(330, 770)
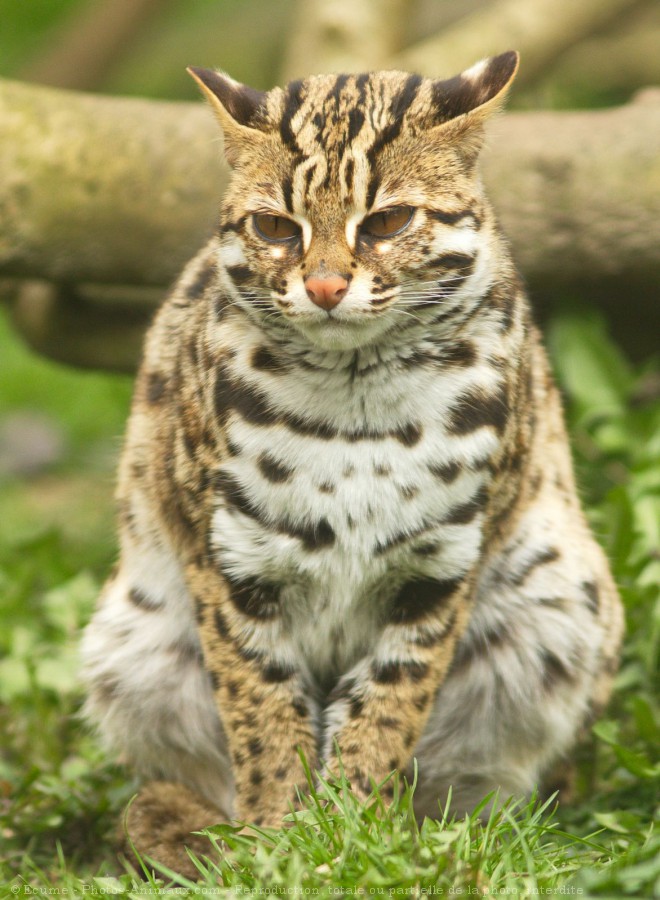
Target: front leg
(378, 710)
(258, 690)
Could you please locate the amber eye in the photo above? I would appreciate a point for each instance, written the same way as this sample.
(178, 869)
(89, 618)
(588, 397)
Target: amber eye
(387, 223)
(275, 228)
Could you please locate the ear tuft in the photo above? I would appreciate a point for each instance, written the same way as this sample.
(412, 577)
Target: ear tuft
(478, 90)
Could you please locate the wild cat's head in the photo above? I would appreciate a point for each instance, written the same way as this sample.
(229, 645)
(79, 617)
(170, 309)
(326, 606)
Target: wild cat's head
(354, 203)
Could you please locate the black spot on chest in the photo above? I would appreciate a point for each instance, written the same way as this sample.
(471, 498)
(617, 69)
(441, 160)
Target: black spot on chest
(409, 434)
(477, 409)
(255, 599)
(446, 472)
(465, 513)
(459, 354)
(264, 360)
(141, 600)
(315, 536)
(234, 495)
(233, 395)
(273, 470)
(421, 598)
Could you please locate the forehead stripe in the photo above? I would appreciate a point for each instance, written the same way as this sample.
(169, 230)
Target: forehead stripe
(356, 120)
(337, 88)
(405, 98)
(291, 107)
(287, 192)
(349, 171)
(400, 103)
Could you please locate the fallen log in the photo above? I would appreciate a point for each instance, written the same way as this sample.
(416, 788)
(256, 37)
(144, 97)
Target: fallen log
(96, 192)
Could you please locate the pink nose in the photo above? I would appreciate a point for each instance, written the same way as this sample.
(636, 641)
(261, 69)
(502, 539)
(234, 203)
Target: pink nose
(326, 292)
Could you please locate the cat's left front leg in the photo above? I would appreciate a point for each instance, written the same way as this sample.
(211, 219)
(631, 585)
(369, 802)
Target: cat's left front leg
(258, 689)
(378, 710)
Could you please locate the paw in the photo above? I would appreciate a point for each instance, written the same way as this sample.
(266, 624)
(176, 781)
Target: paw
(159, 823)
(269, 809)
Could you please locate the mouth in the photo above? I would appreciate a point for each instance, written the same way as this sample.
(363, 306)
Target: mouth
(332, 319)
(335, 331)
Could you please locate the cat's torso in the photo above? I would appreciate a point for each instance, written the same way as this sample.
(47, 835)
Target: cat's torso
(348, 516)
(352, 485)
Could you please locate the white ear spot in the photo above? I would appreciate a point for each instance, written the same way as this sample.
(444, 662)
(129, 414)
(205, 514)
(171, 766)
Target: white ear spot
(475, 72)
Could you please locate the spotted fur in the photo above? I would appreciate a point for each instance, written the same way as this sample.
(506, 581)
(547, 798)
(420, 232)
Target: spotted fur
(356, 527)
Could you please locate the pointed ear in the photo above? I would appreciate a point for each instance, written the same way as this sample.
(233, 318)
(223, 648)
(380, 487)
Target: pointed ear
(462, 104)
(236, 107)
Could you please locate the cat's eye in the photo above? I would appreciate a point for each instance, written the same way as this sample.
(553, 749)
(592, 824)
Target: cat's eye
(275, 228)
(387, 223)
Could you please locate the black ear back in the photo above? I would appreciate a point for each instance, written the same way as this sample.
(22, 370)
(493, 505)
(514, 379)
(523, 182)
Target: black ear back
(243, 103)
(478, 86)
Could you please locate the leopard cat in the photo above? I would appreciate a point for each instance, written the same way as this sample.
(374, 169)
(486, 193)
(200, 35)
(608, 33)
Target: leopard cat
(348, 519)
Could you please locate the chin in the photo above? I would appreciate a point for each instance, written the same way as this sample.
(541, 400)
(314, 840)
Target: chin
(342, 335)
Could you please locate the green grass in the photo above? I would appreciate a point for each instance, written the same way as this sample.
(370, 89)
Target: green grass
(60, 798)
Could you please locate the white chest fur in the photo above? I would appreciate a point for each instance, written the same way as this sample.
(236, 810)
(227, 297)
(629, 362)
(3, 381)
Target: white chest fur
(339, 517)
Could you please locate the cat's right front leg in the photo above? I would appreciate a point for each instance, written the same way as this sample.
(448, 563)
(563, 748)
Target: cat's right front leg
(258, 690)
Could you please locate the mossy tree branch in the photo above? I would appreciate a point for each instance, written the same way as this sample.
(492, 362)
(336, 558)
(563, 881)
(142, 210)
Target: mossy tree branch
(344, 36)
(102, 191)
(539, 29)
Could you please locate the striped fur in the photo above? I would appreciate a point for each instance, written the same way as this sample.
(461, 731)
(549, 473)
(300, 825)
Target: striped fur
(355, 527)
